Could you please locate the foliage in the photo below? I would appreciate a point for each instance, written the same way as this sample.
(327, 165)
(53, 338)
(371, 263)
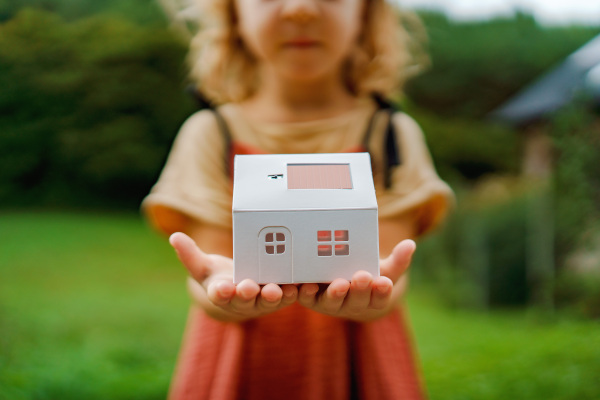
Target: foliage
(479, 259)
(575, 133)
(467, 149)
(140, 11)
(579, 291)
(576, 194)
(476, 66)
(90, 103)
(507, 241)
(88, 109)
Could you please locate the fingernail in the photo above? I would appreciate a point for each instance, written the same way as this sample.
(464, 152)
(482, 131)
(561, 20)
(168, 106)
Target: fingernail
(173, 237)
(224, 289)
(383, 289)
(312, 291)
(362, 284)
(288, 291)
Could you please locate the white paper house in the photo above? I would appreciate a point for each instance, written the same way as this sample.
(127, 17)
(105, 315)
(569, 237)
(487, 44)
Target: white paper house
(304, 217)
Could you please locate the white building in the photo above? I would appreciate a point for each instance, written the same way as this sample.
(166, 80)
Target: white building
(304, 217)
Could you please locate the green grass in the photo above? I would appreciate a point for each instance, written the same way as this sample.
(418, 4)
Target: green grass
(93, 307)
(505, 355)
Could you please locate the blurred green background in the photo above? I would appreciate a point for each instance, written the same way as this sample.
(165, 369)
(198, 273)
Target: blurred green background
(505, 299)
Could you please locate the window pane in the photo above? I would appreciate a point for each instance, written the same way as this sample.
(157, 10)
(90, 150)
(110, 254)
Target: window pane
(319, 176)
(324, 236)
(324, 250)
(280, 248)
(342, 250)
(341, 236)
(269, 237)
(280, 237)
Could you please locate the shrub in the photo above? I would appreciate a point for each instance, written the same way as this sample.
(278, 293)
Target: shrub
(88, 108)
(467, 149)
(480, 259)
(576, 179)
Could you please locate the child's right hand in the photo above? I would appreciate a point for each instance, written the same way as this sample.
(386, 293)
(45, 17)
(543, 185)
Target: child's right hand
(212, 285)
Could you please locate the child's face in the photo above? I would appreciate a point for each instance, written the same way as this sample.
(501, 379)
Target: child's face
(300, 40)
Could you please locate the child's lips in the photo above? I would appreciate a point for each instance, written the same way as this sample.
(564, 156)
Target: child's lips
(301, 43)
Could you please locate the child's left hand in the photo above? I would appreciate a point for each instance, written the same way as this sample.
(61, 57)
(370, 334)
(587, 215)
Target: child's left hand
(364, 298)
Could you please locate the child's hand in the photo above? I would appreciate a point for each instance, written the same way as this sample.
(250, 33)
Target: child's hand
(213, 285)
(364, 298)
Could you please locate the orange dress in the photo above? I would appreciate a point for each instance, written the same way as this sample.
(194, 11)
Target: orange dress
(294, 353)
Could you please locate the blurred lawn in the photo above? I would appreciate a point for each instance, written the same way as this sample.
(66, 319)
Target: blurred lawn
(93, 307)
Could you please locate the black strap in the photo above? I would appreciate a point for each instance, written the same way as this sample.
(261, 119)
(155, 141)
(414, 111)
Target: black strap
(226, 134)
(201, 101)
(391, 153)
(204, 104)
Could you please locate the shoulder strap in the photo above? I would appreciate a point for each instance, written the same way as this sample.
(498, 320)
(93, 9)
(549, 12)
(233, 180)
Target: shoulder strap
(227, 140)
(391, 153)
(201, 101)
(203, 104)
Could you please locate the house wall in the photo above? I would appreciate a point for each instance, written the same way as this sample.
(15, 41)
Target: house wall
(537, 153)
(362, 227)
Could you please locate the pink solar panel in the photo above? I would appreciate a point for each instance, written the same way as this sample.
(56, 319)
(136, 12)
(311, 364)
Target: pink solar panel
(319, 176)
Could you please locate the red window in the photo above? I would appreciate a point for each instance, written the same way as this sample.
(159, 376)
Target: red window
(324, 236)
(342, 250)
(327, 247)
(324, 250)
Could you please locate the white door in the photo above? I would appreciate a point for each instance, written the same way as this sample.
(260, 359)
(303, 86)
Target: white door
(275, 255)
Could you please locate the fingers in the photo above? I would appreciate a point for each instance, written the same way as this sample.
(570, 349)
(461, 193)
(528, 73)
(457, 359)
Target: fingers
(381, 293)
(245, 299)
(398, 262)
(212, 274)
(307, 294)
(333, 298)
(290, 294)
(273, 297)
(194, 259)
(220, 292)
(269, 297)
(357, 299)
(359, 295)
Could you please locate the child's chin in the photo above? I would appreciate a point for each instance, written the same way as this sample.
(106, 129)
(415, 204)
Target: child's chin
(305, 74)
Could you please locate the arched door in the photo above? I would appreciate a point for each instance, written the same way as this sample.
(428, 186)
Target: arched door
(275, 255)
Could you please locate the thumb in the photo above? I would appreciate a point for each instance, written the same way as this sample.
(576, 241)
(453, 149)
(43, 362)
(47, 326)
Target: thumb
(398, 262)
(195, 260)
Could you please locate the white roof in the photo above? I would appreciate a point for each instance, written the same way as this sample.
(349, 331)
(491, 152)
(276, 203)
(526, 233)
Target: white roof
(255, 189)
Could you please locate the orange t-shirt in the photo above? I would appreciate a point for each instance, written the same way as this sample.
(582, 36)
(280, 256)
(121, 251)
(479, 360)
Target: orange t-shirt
(294, 353)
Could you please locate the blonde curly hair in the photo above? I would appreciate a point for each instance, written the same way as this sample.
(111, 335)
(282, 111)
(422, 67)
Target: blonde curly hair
(388, 50)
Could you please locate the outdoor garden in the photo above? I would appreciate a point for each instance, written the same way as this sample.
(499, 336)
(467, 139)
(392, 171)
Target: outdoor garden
(504, 299)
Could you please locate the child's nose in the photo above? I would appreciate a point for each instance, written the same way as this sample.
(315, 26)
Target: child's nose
(300, 10)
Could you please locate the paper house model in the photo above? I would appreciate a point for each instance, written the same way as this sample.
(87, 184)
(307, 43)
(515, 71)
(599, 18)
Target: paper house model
(304, 217)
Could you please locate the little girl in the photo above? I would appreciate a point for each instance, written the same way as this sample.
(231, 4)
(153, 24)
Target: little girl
(295, 76)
